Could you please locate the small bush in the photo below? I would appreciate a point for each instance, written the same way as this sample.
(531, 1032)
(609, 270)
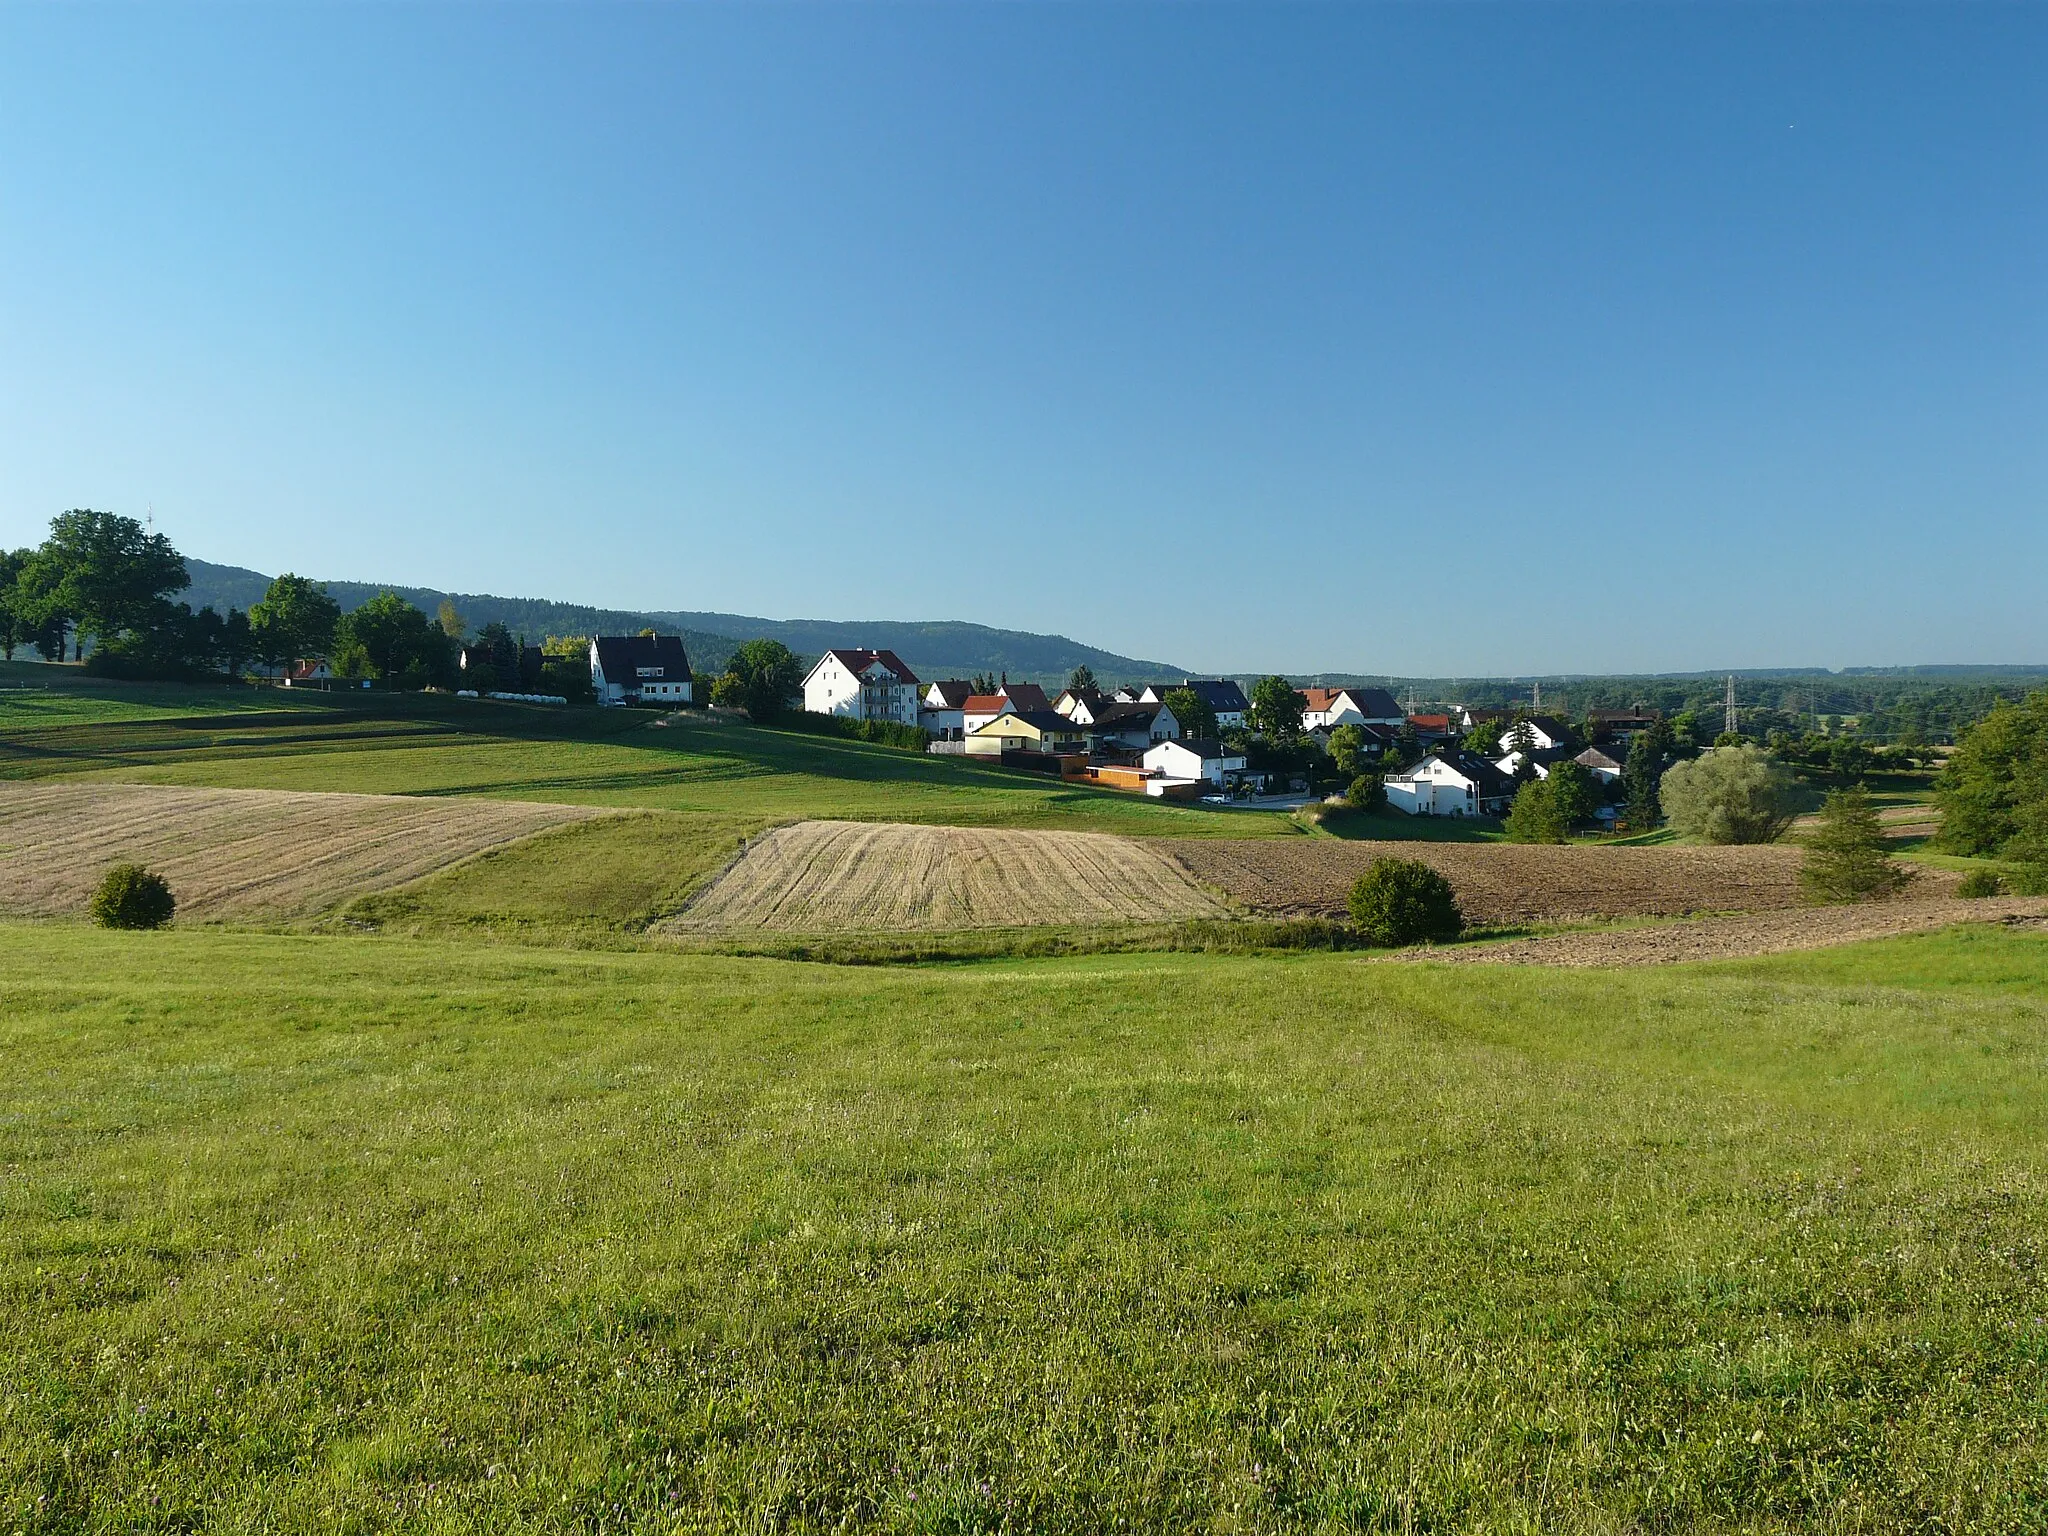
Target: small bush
(1980, 882)
(132, 897)
(1402, 901)
(1367, 792)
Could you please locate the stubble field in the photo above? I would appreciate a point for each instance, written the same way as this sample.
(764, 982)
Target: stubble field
(827, 876)
(241, 853)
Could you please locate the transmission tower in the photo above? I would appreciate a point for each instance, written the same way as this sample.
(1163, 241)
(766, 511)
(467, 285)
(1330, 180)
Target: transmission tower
(1730, 716)
(1536, 698)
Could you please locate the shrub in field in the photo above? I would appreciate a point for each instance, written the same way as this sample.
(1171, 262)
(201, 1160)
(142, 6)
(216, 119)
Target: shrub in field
(1847, 858)
(1733, 794)
(1402, 901)
(1535, 817)
(132, 897)
(1980, 882)
(1368, 792)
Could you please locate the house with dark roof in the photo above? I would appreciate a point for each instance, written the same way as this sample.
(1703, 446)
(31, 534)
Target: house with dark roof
(1510, 763)
(1607, 760)
(1132, 728)
(640, 669)
(1027, 730)
(939, 710)
(1225, 699)
(1324, 709)
(1082, 705)
(1451, 783)
(1623, 723)
(863, 685)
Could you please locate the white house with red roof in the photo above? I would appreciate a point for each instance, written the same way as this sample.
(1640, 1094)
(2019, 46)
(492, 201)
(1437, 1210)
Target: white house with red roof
(863, 685)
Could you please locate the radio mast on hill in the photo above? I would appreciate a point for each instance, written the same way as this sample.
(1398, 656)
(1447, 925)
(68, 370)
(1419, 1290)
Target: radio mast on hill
(1729, 713)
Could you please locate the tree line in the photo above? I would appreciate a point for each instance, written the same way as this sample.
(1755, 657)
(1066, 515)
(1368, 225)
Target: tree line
(102, 589)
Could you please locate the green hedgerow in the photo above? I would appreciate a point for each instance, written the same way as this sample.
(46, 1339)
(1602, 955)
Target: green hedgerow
(1981, 882)
(133, 897)
(1403, 901)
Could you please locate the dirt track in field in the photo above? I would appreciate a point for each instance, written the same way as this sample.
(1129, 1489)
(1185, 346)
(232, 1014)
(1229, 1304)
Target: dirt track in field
(240, 853)
(1508, 883)
(1757, 933)
(827, 876)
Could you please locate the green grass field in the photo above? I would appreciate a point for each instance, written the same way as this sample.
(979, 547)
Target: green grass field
(359, 1234)
(437, 745)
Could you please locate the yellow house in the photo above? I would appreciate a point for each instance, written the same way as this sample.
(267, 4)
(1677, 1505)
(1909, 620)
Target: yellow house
(1027, 730)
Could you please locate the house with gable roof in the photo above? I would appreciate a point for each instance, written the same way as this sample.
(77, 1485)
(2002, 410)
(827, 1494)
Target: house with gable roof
(863, 685)
(640, 669)
(1324, 709)
(1451, 783)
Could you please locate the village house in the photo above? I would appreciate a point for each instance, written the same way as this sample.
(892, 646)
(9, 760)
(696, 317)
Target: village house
(1451, 784)
(1133, 728)
(1543, 731)
(1606, 759)
(309, 673)
(942, 711)
(1324, 709)
(1540, 758)
(1084, 706)
(1622, 723)
(979, 709)
(1028, 730)
(1194, 758)
(639, 669)
(862, 685)
(1432, 727)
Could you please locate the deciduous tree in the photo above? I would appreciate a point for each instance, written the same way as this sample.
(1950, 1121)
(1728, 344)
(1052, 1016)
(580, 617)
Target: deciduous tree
(1195, 718)
(1732, 794)
(295, 621)
(1277, 710)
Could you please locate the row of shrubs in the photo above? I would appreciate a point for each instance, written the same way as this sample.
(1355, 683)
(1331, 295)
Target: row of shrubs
(884, 733)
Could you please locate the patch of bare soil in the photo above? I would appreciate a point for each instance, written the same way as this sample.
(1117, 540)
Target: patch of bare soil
(1755, 933)
(839, 876)
(1508, 883)
(245, 853)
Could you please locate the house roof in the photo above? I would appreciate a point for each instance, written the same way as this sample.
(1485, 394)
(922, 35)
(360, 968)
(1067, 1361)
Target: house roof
(1430, 722)
(1129, 715)
(1614, 756)
(858, 661)
(985, 704)
(1025, 695)
(1321, 698)
(1037, 719)
(953, 693)
(1549, 725)
(1487, 776)
(1636, 716)
(1219, 693)
(1207, 748)
(622, 655)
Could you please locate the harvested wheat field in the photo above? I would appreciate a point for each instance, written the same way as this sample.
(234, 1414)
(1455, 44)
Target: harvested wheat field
(241, 852)
(1756, 933)
(1507, 883)
(826, 876)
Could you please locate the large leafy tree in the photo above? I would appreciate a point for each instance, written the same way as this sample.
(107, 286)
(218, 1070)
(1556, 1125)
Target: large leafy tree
(1347, 750)
(389, 640)
(762, 678)
(1574, 791)
(1982, 789)
(1277, 710)
(103, 573)
(1732, 794)
(1535, 817)
(1640, 771)
(15, 628)
(1196, 718)
(294, 621)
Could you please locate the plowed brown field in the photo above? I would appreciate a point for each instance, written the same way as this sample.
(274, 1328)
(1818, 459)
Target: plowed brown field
(1505, 883)
(1753, 933)
(240, 852)
(826, 876)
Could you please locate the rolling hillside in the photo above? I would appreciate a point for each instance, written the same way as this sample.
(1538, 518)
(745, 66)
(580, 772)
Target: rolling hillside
(933, 650)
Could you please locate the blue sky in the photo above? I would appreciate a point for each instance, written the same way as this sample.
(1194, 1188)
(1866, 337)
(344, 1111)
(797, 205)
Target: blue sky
(1420, 340)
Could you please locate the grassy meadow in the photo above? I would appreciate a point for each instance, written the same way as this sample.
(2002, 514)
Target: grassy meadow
(357, 1234)
(438, 745)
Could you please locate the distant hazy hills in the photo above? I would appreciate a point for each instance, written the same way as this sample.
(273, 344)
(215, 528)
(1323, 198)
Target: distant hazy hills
(935, 650)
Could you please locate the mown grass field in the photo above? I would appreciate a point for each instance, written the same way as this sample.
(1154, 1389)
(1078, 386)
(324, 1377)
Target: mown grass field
(437, 745)
(355, 1234)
